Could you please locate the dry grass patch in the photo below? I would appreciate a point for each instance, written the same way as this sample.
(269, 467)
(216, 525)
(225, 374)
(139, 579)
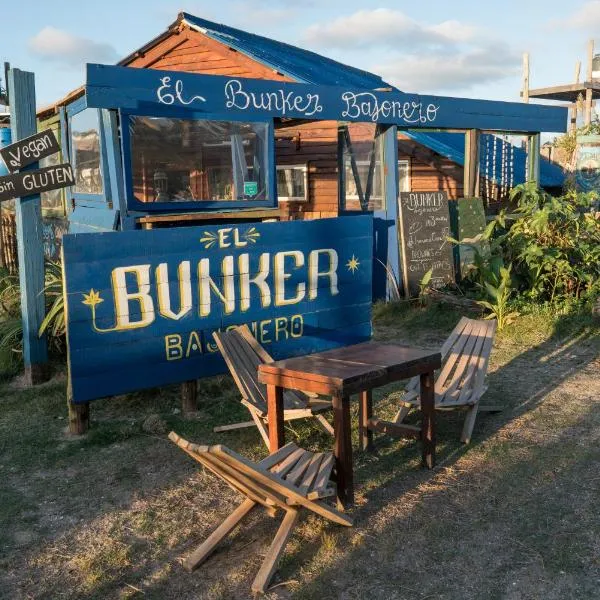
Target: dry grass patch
(513, 516)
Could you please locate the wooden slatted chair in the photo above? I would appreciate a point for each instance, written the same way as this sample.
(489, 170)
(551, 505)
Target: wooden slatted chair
(290, 479)
(243, 354)
(461, 381)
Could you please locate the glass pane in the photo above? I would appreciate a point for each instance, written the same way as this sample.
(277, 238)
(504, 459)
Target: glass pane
(52, 201)
(403, 176)
(85, 136)
(363, 168)
(291, 183)
(181, 160)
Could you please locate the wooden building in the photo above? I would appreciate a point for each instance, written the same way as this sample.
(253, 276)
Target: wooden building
(307, 153)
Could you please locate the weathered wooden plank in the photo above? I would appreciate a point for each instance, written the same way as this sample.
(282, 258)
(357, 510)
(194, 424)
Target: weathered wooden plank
(158, 296)
(21, 85)
(119, 87)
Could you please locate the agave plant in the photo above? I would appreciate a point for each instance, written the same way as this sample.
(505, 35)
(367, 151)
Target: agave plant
(11, 328)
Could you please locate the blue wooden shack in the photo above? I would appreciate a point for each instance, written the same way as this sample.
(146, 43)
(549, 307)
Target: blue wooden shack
(154, 149)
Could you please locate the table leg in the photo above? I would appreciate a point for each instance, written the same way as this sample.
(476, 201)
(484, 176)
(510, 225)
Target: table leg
(275, 417)
(342, 449)
(428, 414)
(365, 412)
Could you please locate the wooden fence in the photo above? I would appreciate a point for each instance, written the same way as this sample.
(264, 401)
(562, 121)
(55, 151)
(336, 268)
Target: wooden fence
(8, 243)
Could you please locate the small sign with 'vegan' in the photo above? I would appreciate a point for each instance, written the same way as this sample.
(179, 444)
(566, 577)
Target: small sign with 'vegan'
(29, 150)
(29, 183)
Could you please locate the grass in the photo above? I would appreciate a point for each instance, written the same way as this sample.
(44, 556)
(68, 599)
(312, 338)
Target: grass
(514, 515)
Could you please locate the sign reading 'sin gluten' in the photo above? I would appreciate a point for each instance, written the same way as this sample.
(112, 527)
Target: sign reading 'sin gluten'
(425, 227)
(142, 305)
(28, 183)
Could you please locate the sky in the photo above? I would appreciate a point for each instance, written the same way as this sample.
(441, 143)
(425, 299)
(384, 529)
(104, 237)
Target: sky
(460, 48)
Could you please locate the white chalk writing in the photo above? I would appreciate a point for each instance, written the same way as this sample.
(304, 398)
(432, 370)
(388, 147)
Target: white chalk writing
(277, 100)
(366, 104)
(166, 96)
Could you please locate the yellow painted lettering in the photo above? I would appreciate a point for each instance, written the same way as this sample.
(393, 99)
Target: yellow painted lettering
(281, 276)
(296, 326)
(281, 327)
(223, 236)
(164, 294)
(123, 296)
(206, 285)
(314, 273)
(193, 344)
(259, 280)
(236, 239)
(264, 333)
(173, 346)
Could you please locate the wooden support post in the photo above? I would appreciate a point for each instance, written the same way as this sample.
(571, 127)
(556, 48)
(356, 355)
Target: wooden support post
(533, 158)
(589, 92)
(471, 171)
(189, 398)
(342, 450)
(79, 418)
(526, 77)
(30, 249)
(428, 432)
(364, 414)
(275, 413)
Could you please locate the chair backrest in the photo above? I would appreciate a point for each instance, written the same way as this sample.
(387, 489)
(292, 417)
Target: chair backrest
(243, 354)
(255, 481)
(465, 359)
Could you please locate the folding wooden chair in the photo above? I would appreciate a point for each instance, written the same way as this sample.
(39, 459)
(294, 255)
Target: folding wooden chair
(243, 354)
(290, 479)
(461, 381)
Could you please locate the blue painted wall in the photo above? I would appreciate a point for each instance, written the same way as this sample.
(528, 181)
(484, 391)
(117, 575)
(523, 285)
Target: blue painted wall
(128, 328)
(5, 140)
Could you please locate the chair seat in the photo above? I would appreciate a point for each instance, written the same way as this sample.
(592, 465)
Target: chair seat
(308, 472)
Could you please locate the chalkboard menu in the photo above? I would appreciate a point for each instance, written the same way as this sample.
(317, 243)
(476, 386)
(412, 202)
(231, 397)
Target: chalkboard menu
(424, 229)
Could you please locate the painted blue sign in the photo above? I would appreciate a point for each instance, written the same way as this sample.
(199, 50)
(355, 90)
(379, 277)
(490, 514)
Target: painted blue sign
(240, 98)
(142, 305)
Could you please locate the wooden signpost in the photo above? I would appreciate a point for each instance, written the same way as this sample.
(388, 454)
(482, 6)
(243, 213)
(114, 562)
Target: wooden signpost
(424, 229)
(141, 306)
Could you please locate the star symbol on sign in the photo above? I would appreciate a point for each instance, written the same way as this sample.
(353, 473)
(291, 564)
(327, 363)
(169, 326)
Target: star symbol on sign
(353, 264)
(92, 298)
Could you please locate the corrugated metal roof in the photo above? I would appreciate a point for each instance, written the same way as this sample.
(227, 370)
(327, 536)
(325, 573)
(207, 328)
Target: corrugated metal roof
(302, 65)
(452, 146)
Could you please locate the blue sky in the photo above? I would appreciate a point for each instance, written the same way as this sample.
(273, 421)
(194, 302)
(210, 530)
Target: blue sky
(460, 48)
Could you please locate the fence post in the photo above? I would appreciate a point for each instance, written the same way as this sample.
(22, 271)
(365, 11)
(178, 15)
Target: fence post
(30, 250)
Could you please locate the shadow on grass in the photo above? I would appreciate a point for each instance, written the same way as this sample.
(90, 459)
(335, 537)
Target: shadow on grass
(398, 503)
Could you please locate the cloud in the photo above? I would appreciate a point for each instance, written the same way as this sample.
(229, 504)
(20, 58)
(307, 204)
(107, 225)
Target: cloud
(387, 27)
(60, 46)
(586, 17)
(440, 71)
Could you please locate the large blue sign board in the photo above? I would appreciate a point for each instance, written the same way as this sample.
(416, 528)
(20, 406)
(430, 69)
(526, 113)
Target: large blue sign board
(142, 305)
(145, 90)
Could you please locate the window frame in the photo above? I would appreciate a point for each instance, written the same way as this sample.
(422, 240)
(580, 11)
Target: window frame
(304, 168)
(135, 205)
(81, 197)
(407, 162)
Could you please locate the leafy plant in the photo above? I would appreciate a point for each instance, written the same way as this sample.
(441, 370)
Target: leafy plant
(424, 287)
(11, 327)
(499, 298)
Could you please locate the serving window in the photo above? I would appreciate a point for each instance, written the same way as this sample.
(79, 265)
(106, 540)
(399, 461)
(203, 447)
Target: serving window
(175, 161)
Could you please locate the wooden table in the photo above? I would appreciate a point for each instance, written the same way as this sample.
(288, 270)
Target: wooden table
(353, 370)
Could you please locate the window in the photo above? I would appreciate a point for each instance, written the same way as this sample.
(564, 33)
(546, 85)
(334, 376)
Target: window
(52, 201)
(363, 167)
(292, 183)
(404, 176)
(183, 160)
(85, 148)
